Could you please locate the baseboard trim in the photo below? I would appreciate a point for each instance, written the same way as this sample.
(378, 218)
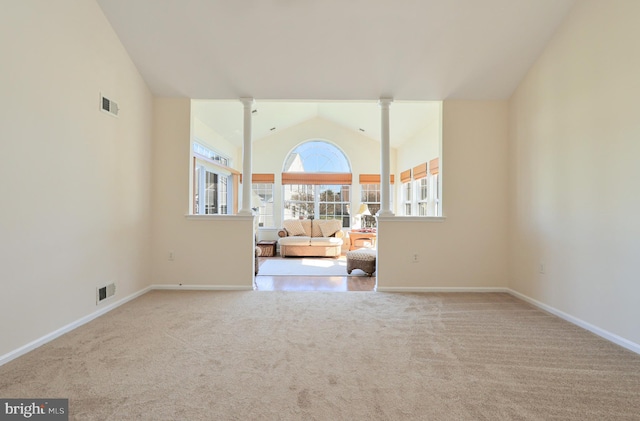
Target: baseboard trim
(68, 328)
(442, 289)
(611, 337)
(178, 287)
(625, 343)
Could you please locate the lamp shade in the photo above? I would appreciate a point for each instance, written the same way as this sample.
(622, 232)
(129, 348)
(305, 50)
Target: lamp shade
(364, 209)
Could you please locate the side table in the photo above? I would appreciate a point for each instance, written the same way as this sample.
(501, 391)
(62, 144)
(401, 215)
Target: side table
(362, 240)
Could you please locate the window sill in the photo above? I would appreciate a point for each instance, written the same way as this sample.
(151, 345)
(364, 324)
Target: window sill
(220, 217)
(412, 218)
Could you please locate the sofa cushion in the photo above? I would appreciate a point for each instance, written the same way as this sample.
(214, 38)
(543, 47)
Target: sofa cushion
(330, 227)
(294, 227)
(295, 241)
(325, 241)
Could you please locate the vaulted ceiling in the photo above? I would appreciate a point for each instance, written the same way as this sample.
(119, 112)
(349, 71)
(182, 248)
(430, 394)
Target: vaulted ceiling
(332, 50)
(335, 49)
(362, 117)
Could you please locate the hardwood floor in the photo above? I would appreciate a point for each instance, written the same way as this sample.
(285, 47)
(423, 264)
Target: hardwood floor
(313, 283)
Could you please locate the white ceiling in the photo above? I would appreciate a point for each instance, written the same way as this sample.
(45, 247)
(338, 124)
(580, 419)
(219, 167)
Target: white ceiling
(406, 119)
(334, 49)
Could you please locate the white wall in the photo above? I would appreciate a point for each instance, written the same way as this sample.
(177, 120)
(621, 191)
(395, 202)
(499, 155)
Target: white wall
(574, 192)
(209, 137)
(469, 248)
(422, 147)
(75, 181)
(212, 251)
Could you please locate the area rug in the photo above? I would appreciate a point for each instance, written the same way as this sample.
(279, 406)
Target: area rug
(304, 266)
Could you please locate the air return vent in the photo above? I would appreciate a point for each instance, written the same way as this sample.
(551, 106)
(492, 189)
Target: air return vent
(105, 292)
(109, 106)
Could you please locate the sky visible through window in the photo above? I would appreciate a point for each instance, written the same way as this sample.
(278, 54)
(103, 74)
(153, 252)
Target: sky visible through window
(318, 156)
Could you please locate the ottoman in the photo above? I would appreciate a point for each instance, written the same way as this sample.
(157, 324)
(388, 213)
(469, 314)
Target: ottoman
(363, 259)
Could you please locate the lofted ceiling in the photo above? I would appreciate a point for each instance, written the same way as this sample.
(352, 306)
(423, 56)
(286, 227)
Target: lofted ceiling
(334, 49)
(353, 51)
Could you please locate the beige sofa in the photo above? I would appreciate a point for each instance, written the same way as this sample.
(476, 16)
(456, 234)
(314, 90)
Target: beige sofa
(311, 237)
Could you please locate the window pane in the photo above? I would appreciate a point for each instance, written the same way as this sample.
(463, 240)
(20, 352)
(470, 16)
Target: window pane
(317, 156)
(370, 194)
(423, 193)
(333, 202)
(196, 199)
(206, 152)
(407, 197)
(263, 200)
(223, 183)
(298, 201)
(211, 193)
(422, 209)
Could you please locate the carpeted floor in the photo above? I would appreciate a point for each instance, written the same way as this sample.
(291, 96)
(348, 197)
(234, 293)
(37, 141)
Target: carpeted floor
(195, 355)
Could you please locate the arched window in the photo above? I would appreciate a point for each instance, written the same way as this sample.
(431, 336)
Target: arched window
(317, 182)
(317, 156)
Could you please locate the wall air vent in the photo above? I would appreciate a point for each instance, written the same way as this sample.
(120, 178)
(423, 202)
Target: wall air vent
(109, 106)
(105, 292)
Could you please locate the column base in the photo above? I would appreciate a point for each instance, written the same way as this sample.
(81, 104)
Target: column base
(385, 213)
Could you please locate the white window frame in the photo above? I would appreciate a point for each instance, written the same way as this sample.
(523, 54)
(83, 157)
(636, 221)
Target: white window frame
(407, 198)
(209, 162)
(366, 190)
(342, 205)
(223, 191)
(435, 194)
(422, 192)
(314, 202)
(200, 149)
(266, 216)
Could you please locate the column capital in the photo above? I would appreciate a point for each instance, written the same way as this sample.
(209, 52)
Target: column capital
(247, 101)
(385, 102)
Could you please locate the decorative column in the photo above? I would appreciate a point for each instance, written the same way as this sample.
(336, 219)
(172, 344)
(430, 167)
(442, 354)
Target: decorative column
(385, 153)
(245, 209)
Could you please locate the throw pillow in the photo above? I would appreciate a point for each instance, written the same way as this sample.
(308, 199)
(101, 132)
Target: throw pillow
(330, 227)
(294, 227)
(315, 227)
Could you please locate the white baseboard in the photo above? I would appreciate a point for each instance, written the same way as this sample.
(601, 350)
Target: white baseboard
(178, 287)
(625, 343)
(67, 328)
(442, 289)
(86, 319)
(612, 337)
(632, 346)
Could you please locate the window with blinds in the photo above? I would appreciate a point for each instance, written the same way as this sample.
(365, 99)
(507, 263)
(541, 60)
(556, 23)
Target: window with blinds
(421, 189)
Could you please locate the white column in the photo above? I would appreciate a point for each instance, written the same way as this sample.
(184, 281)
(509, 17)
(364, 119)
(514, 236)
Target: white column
(385, 153)
(245, 208)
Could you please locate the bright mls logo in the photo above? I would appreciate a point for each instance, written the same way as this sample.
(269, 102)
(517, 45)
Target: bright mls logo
(34, 409)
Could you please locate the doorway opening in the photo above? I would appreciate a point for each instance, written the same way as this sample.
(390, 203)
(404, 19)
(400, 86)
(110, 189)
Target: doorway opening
(297, 173)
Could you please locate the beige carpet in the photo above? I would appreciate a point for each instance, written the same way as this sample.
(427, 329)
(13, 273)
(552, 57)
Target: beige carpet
(197, 355)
